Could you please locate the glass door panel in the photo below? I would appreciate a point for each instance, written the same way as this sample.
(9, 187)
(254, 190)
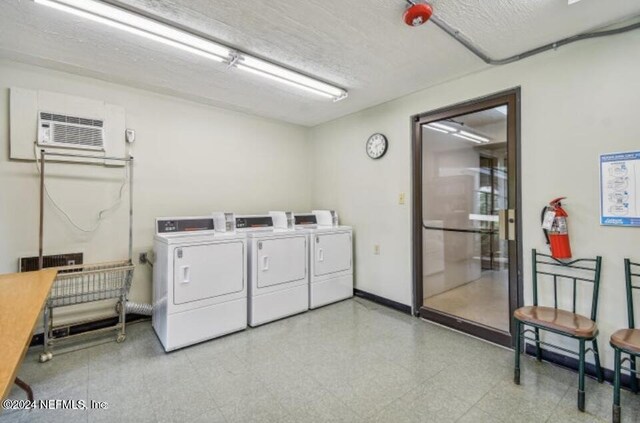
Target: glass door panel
(464, 186)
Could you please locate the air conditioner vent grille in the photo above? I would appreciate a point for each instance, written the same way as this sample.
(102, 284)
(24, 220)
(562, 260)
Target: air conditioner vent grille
(70, 131)
(77, 135)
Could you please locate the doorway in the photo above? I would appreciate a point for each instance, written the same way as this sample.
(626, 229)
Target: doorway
(466, 226)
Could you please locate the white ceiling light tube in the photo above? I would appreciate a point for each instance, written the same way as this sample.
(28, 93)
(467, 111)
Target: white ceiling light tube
(141, 26)
(433, 128)
(278, 73)
(443, 127)
(136, 24)
(467, 138)
(474, 136)
(282, 80)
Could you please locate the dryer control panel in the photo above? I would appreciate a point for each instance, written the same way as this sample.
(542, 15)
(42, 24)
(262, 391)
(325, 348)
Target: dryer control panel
(165, 225)
(306, 219)
(254, 222)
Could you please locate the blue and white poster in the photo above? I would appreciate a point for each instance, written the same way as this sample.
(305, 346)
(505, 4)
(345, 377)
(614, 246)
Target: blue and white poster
(619, 183)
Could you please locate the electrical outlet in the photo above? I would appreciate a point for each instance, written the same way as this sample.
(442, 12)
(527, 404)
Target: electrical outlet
(143, 258)
(401, 199)
(376, 249)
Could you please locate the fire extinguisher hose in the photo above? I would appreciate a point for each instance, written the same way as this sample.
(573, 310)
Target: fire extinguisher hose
(544, 231)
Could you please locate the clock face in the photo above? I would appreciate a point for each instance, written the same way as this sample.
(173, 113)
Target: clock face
(376, 146)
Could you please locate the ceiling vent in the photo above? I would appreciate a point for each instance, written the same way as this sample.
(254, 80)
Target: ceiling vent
(56, 130)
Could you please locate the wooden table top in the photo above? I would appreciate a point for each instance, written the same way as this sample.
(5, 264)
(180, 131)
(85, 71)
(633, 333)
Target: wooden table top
(22, 296)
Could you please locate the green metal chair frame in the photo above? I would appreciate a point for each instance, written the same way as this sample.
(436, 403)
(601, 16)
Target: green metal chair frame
(630, 271)
(585, 266)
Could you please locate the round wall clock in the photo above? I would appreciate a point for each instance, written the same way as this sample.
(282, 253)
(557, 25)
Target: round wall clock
(377, 145)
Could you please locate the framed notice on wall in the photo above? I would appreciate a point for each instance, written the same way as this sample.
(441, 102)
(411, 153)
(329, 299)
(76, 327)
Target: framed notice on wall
(619, 185)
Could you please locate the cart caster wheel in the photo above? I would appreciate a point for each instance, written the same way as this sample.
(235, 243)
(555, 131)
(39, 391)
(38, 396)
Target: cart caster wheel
(45, 356)
(121, 338)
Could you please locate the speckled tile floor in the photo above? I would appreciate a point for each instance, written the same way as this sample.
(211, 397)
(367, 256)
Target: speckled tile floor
(353, 361)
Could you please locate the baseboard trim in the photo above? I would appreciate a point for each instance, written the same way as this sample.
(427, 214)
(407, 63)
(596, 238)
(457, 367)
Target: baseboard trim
(383, 301)
(571, 363)
(38, 339)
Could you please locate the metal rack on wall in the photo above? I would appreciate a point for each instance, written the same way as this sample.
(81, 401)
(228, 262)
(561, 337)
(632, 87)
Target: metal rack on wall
(85, 283)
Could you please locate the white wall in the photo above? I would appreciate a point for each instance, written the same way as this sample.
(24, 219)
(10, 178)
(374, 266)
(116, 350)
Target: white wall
(577, 102)
(190, 159)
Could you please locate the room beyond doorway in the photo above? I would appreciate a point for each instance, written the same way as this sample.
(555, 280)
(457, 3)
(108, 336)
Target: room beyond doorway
(466, 227)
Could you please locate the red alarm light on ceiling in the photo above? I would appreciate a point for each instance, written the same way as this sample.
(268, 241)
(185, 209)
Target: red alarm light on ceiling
(417, 14)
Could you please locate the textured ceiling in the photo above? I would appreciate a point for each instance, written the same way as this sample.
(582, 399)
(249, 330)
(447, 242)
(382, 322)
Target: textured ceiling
(361, 45)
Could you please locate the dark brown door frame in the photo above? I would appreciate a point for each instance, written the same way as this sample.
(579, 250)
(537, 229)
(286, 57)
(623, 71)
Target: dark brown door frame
(511, 98)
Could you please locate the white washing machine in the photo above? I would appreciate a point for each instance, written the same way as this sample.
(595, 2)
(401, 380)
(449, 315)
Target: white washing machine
(330, 255)
(199, 281)
(278, 267)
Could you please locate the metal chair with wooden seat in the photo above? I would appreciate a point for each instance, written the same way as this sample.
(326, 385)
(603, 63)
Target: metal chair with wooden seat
(626, 341)
(556, 320)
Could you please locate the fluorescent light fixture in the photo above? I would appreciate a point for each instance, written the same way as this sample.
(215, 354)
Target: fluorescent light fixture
(474, 136)
(467, 138)
(141, 26)
(267, 68)
(132, 23)
(282, 80)
(444, 127)
(433, 128)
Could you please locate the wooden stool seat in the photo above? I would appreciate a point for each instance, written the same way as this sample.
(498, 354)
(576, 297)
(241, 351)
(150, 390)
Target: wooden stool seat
(558, 320)
(627, 339)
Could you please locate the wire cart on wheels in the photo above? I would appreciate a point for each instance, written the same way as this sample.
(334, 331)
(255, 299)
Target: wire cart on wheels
(85, 283)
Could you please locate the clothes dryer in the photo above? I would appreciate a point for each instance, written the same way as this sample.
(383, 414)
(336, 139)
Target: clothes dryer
(278, 267)
(330, 254)
(199, 281)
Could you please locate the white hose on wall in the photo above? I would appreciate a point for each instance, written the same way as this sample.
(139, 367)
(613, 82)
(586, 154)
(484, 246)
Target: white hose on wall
(138, 308)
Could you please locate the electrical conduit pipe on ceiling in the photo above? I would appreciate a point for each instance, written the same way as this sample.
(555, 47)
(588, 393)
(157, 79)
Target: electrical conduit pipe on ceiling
(457, 35)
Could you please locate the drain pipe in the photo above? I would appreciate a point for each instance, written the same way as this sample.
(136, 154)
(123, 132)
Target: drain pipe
(457, 35)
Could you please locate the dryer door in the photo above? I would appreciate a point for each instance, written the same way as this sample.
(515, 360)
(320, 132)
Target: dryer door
(207, 271)
(281, 260)
(332, 253)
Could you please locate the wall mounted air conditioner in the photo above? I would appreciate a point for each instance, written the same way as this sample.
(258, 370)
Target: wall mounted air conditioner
(55, 122)
(58, 130)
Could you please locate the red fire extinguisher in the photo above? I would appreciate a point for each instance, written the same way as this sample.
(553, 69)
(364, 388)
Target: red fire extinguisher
(554, 226)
